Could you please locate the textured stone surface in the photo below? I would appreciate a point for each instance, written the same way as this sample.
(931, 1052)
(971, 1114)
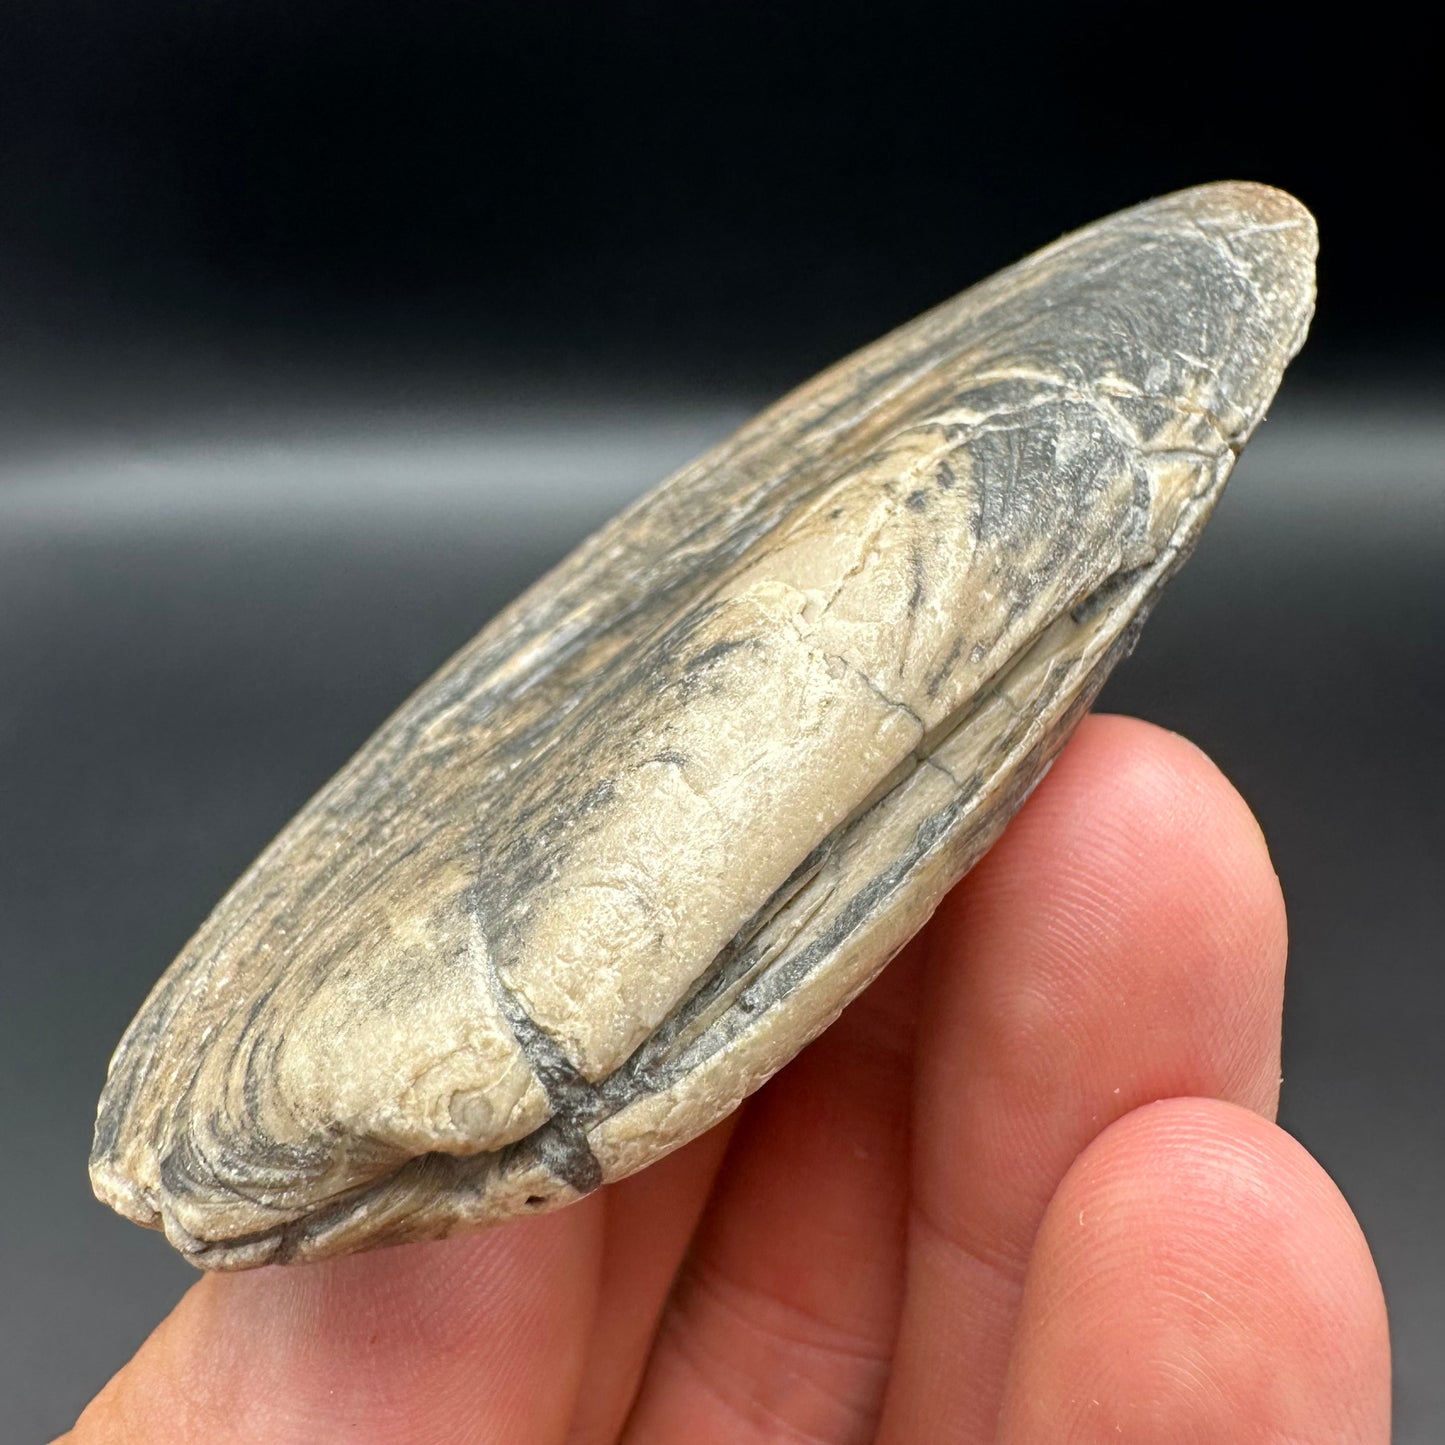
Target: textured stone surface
(650, 831)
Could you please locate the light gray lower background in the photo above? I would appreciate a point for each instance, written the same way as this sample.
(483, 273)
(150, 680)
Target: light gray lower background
(196, 630)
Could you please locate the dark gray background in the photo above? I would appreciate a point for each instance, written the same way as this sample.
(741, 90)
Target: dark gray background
(327, 328)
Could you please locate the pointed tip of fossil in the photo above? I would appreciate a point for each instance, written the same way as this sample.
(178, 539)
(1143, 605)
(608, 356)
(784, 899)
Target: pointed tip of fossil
(1255, 200)
(1268, 232)
(1266, 243)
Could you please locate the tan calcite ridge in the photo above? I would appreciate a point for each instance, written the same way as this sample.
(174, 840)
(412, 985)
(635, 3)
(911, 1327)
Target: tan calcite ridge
(652, 829)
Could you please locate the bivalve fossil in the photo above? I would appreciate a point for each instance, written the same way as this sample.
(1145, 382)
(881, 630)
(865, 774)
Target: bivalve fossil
(643, 838)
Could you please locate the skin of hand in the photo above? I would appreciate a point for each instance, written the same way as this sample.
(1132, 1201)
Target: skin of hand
(1028, 1189)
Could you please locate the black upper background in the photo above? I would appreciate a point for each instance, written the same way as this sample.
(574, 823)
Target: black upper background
(698, 195)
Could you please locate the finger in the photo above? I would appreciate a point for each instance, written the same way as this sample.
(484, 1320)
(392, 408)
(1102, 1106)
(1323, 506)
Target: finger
(1199, 1278)
(1123, 942)
(782, 1322)
(479, 1339)
(650, 1222)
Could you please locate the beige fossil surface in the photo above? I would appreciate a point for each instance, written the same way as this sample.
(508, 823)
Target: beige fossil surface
(646, 835)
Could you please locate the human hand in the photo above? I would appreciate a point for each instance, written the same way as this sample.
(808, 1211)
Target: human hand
(1026, 1189)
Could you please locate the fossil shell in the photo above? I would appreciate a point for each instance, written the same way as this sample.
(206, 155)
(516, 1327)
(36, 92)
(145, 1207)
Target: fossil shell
(652, 829)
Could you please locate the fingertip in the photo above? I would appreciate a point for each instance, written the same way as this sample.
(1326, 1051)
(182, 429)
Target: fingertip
(1162, 805)
(1137, 855)
(1198, 1276)
(1217, 901)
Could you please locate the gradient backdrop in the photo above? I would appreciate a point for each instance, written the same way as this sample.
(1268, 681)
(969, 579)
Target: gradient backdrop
(326, 327)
